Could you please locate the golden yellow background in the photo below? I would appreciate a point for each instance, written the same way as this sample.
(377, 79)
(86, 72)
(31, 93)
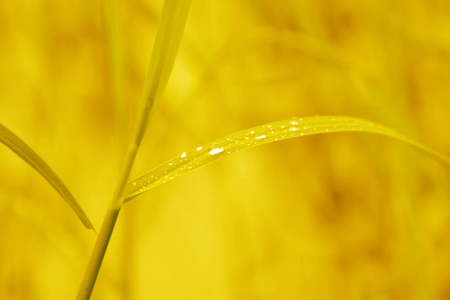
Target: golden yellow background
(338, 216)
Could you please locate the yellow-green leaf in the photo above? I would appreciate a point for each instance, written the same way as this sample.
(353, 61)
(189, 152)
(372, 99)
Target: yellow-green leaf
(167, 42)
(256, 136)
(166, 46)
(30, 157)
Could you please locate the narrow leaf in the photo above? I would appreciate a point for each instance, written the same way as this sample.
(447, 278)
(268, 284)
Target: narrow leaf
(166, 45)
(30, 157)
(167, 42)
(256, 136)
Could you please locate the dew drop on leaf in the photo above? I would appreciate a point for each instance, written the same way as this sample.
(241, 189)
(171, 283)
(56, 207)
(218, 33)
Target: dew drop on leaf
(216, 148)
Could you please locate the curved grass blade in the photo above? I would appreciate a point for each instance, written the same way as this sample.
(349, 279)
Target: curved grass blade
(167, 42)
(256, 136)
(30, 157)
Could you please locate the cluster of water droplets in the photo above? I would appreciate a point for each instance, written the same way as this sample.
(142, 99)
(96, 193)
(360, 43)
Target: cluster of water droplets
(174, 168)
(205, 154)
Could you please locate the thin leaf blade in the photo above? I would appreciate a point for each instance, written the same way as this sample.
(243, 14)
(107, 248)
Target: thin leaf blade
(260, 135)
(25, 152)
(167, 42)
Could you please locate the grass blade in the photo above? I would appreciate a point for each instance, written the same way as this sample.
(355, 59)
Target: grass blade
(30, 157)
(167, 42)
(256, 136)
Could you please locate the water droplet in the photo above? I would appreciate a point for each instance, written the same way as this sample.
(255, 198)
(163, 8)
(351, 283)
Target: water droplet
(261, 137)
(215, 151)
(170, 164)
(184, 154)
(199, 148)
(133, 183)
(293, 129)
(216, 148)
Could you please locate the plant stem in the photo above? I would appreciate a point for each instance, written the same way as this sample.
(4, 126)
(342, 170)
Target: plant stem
(98, 253)
(96, 260)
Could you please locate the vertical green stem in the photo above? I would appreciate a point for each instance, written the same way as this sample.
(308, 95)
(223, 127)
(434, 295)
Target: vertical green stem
(97, 255)
(109, 222)
(96, 260)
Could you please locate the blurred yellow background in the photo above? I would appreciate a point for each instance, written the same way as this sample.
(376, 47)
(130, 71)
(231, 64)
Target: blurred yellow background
(339, 216)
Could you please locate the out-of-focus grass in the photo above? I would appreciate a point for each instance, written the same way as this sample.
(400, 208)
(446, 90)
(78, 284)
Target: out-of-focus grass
(325, 217)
